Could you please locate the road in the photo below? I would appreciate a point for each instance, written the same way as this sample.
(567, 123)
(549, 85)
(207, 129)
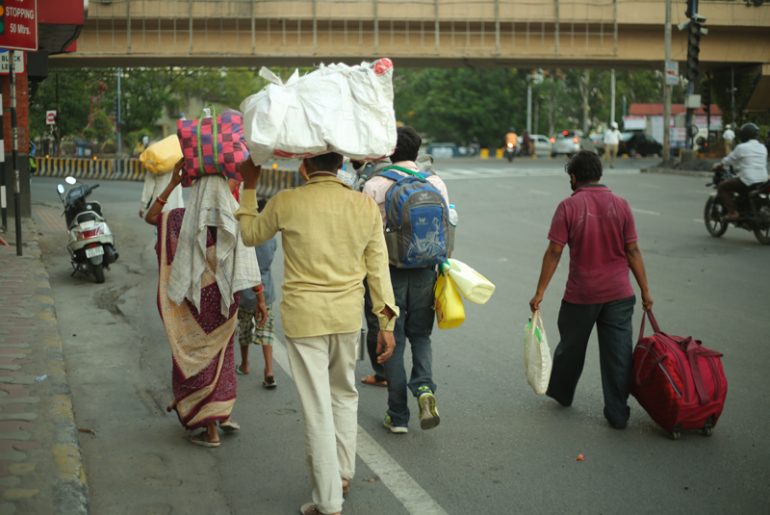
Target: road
(499, 448)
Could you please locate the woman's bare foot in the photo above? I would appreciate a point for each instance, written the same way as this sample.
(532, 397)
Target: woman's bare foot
(171, 407)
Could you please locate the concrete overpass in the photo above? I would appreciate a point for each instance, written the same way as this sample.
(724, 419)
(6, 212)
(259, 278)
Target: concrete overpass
(532, 33)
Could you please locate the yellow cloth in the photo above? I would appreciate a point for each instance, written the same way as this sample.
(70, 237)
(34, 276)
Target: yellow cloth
(332, 239)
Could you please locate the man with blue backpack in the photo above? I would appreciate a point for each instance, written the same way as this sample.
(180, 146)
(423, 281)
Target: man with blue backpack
(415, 211)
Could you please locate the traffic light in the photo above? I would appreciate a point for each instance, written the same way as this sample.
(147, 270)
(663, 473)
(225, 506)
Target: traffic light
(2, 17)
(693, 49)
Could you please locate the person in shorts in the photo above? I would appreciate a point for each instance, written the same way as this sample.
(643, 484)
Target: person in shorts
(248, 331)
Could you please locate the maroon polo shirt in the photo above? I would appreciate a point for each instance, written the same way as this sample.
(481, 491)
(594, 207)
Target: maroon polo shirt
(596, 224)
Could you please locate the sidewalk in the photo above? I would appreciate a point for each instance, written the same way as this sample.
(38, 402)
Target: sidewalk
(41, 470)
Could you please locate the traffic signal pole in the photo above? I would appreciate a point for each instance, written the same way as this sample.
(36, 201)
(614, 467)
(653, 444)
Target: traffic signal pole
(15, 155)
(693, 64)
(667, 87)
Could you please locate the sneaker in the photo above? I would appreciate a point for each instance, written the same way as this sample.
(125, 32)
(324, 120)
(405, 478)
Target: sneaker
(396, 430)
(428, 413)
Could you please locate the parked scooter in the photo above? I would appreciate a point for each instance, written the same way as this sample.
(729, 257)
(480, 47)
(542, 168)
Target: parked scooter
(91, 244)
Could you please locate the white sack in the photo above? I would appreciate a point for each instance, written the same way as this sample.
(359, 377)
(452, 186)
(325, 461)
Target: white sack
(339, 108)
(537, 355)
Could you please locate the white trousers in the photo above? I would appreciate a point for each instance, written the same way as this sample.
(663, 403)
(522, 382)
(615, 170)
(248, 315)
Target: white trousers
(324, 373)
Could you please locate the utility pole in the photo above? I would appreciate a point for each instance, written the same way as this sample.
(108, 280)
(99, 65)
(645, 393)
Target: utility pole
(119, 122)
(529, 105)
(612, 95)
(666, 86)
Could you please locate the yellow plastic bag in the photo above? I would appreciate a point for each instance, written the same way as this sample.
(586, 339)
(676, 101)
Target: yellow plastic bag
(160, 157)
(450, 312)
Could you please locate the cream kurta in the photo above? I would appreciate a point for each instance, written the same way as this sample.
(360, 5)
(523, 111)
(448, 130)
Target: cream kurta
(332, 240)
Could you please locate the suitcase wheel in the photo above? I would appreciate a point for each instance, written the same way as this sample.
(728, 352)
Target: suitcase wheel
(708, 427)
(676, 434)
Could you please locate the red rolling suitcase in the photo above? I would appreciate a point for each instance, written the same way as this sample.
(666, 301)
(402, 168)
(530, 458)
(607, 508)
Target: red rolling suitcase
(678, 381)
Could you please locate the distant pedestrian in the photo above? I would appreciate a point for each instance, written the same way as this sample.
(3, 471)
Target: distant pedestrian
(250, 332)
(728, 137)
(154, 185)
(599, 229)
(611, 144)
(413, 288)
(203, 264)
(331, 239)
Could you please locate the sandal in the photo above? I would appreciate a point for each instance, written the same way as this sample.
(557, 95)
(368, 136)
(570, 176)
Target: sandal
(269, 383)
(230, 426)
(240, 372)
(202, 440)
(372, 380)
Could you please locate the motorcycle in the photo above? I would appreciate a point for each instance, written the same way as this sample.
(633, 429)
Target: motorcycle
(91, 244)
(753, 208)
(510, 152)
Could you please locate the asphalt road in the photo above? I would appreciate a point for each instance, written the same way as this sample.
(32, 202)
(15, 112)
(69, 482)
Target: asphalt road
(499, 448)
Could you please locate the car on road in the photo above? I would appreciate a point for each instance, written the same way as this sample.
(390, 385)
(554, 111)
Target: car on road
(443, 150)
(637, 143)
(541, 144)
(566, 143)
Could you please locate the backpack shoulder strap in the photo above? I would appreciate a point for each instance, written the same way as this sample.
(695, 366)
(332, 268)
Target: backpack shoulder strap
(412, 173)
(393, 176)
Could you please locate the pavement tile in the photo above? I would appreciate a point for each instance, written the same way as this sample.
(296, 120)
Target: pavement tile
(41, 467)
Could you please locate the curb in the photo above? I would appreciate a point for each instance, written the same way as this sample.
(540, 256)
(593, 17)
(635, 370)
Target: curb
(54, 466)
(673, 171)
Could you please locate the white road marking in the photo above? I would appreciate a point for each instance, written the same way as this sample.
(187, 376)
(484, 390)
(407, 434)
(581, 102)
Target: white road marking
(540, 192)
(644, 211)
(393, 476)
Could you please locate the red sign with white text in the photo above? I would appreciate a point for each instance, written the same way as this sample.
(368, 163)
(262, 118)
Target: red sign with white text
(18, 24)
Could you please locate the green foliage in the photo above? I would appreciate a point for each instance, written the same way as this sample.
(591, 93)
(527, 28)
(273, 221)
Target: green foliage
(146, 93)
(460, 105)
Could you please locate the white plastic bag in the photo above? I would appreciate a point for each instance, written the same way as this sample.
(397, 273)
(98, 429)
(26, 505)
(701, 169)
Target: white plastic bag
(472, 285)
(339, 108)
(537, 355)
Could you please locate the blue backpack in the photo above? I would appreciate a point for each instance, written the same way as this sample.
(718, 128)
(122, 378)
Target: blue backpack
(417, 221)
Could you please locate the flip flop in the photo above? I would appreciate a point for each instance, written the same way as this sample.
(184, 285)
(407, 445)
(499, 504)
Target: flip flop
(371, 380)
(309, 509)
(240, 372)
(230, 426)
(202, 440)
(269, 383)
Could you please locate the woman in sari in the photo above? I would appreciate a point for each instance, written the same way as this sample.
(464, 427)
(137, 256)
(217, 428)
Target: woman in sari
(203, 264)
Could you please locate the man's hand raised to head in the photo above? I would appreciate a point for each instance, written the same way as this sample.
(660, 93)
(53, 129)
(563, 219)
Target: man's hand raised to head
(250, 174)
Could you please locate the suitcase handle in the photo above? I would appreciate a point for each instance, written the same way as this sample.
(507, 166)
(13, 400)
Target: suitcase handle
(693, 348)
(653, 322)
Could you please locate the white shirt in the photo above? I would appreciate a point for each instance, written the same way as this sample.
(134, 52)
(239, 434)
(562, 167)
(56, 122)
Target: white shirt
(612, 137)
(750, 160)
(154, 185)
(728, 135)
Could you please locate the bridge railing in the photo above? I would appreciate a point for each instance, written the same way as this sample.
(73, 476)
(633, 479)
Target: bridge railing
(271, 181)
(246, 27)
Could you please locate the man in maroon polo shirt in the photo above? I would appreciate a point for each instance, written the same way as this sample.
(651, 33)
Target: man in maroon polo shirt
(599, 228)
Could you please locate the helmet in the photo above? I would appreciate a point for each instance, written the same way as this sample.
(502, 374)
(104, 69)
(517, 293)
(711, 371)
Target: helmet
(614, 125)
(728, 126)
(749, 131)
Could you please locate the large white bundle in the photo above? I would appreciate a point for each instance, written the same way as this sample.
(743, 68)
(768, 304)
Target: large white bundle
(339, 108)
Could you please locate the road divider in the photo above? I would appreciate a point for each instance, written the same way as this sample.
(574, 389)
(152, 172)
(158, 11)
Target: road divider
(271, 181)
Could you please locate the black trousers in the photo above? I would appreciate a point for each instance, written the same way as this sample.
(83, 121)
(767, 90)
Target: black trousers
(613, 324)
(726, 189)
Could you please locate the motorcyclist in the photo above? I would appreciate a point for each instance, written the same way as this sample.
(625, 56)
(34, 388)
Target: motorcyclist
(749, 159)
(511, 143)
(512, 139)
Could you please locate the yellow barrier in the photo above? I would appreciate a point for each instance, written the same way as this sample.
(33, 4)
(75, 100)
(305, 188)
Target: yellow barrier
(484, 153)
(498, 153)
(271, 181)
